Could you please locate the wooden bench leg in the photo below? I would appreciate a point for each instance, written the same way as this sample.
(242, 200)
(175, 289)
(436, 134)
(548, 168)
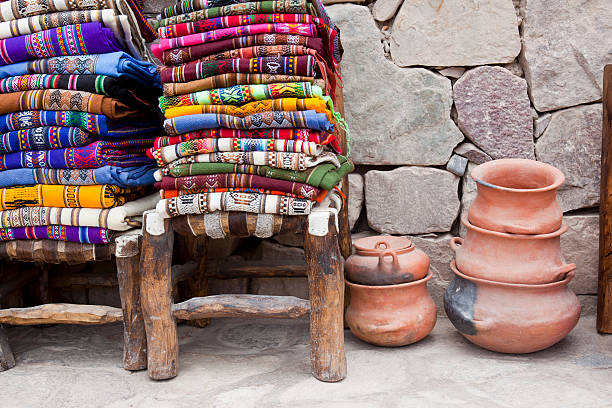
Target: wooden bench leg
(156, 297)
(7, 360)
(128, 274)
(326, 283)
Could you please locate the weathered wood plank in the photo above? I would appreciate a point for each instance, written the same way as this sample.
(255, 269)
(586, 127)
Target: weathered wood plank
(128, 275)
(87, 280)
(604, 300)
(326, 283)
(61, 313)
(156, 297)
(197, 284)
(7, 359)
(220, 269)
(281, 307)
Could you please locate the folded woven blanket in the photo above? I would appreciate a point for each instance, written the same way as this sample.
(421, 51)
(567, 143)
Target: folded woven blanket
(280, 160)
(61, 100)
(119, 176)
(121, 153)
(329, 30)
(235, 180)
(169, 154)
(130, 93)
(275, 119)
(111, 218)
(305, 135)
(175, 56)
(42, 195)
(116, 64)
(276, 6)
(267, 105)
(261, 51)
(87, 235)
(76, 39)
(97, 124)
(179, 193)
(240, 94)
(217, 23)
(300, 65)
(42, 138)
(233, 201)
(119, 25)
(227, 80)
(308, 30)
(324, 176)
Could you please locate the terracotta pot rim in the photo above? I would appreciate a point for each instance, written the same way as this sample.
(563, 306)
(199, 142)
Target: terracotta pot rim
(375, 252)
(557, 233)
(558, 174)
(395, 285)
(568, 277)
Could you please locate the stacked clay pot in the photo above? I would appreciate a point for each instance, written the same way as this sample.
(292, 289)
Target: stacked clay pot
(387, 278)
(510, 290)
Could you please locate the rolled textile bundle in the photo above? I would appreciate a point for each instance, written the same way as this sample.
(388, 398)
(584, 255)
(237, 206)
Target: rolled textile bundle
(120, 153)
(116, 218)
(75, 121)
(97, 124)
(138, 176)
(248, 101)
(43, 138)
(128, 92)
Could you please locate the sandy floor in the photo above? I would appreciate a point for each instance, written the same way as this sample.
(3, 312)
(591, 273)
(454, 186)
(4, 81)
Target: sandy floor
(264, 363)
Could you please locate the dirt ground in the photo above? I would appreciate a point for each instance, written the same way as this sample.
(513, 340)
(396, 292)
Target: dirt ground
(265, 363)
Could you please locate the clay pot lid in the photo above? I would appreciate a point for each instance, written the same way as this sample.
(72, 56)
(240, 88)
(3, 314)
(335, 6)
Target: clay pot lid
(376, 243)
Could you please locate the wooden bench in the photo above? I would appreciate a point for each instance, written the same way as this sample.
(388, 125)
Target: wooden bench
(126, 250)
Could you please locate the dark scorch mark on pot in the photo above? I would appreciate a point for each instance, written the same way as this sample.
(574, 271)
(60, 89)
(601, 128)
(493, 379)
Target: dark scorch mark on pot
(459, 300)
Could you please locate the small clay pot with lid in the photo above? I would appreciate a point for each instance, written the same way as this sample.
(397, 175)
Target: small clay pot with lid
(391, 315)
(386, 260)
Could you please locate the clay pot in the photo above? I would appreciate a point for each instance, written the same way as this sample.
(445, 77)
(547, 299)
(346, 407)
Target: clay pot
(517, 196)
(386, 260)
(501, 257)
(392, 315)
(511, 318)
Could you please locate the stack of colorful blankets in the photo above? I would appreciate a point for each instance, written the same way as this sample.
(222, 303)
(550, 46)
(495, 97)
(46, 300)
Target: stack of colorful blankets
(78, 110)
(248, 97)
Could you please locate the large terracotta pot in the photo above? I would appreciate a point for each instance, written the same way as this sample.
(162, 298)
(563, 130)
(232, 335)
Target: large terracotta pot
(386, 260)
(392, 315)
(511, 318)
(511, 258)
(517, 196)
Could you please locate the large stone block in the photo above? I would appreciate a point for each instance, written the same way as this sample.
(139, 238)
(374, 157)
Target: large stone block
(355, 199)
(493, 111)
(440, 255)
(396, 116)
(580, 245)
(469, 191)
(566, 45)
(449, 33)
(411, 200)
(572, 143)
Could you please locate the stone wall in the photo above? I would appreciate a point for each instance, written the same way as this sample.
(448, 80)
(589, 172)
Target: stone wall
(433, 88)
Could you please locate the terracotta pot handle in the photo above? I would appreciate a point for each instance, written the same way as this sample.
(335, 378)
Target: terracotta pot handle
(388, 252)
(455, 243)
(564, 271)
(379, 243)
